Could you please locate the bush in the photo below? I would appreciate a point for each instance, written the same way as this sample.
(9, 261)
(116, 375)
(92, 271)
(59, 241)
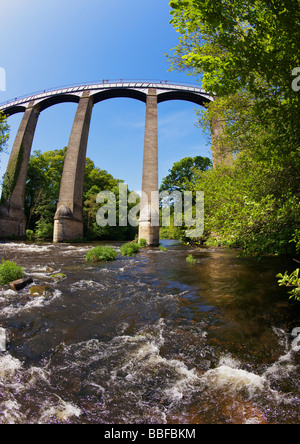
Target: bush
(190, 258)
(9, 272)
(291, 280)
(44, 229)
(130, 249)
(30, 235)
(102, 253)
(143, 243)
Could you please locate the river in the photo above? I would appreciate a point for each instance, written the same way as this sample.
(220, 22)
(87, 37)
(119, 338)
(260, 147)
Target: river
(149, 339)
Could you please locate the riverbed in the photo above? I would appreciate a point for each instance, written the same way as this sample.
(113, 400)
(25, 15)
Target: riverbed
(149, 339)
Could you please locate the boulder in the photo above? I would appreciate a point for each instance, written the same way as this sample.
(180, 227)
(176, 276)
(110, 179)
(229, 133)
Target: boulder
(20, 284)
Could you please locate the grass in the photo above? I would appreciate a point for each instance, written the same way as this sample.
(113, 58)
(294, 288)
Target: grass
(190, 258)
(130, 249)
(30, 235)
(100, 254)
(9, 272)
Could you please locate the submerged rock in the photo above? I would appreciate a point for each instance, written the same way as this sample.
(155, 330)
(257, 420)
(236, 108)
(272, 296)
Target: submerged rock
(58, 277)
(40, 290)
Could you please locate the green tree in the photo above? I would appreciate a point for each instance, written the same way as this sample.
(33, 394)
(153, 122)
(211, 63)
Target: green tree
(245, 48)
(42, 187)
(250, 206)
(182, 173)
(182, 178)
(42, 193)
(252, 44)
(4, 132)
(245, 53)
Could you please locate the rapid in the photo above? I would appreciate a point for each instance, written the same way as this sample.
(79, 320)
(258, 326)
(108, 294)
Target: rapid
(149, 339)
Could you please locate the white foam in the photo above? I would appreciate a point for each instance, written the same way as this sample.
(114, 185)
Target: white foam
(10, 412)
(34, 302)
(82, 285)
(62, 411)
(234, 380)
(8, 293)
(8, 366)
(21, 247)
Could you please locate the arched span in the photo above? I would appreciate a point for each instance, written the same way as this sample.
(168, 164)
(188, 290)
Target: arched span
(57, 99)
(183, 95)
(42, 104)
(119, 93)
(10, 111)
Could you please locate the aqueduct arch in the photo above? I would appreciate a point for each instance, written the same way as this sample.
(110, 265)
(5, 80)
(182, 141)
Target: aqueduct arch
(68, 223)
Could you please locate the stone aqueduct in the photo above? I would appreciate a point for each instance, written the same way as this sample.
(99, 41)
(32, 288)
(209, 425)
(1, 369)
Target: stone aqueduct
(68, 222)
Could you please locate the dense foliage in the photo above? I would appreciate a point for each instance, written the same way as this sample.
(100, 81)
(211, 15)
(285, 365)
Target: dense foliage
(9, 272)
(246, 53)
(42, 193)
(182, 177)
(101, 253)
(130, 249)
(182, 174)
(291, 280)
(4, 132)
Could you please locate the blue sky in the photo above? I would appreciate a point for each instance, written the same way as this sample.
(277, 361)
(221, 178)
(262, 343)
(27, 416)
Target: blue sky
(50, 44)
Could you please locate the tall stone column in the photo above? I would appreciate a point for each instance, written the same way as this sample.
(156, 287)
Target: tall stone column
(68, 221)
(149, 214)
(12, 213)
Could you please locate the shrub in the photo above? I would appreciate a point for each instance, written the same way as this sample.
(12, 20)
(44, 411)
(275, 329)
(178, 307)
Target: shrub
(130, 249)
(44, 229)
(190, 258)
(162, 248)
(9, 272)
(102, 253)
(291, 280)
(30, 235)
(143, 243)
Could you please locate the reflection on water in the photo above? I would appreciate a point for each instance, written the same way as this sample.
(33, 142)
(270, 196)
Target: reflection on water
(150, 339)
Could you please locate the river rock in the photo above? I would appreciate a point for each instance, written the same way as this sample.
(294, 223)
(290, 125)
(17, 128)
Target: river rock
(39, 290)
(20, 284)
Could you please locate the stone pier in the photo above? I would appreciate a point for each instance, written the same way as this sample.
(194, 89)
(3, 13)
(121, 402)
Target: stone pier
(149, 213)
(68, 221)
(12, 213)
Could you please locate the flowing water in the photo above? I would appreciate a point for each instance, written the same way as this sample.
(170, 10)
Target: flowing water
(150, 339)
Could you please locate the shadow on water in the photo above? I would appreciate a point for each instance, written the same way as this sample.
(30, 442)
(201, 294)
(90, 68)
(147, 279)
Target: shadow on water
(148, 339)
